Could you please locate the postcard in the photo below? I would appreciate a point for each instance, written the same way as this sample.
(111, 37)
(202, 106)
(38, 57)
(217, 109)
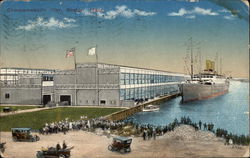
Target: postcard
(124, 78)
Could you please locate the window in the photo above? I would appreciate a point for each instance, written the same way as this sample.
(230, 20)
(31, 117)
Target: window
(47, 78)
(142, 78)
(122, 91)
(132, 79)
(122, 79)
(7, 95)
(103, 102)
(127, 94)
(135, 78)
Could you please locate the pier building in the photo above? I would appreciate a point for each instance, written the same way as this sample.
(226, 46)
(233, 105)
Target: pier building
(88, 84)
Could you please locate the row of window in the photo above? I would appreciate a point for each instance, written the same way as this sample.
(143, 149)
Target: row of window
(133, 78)
(203, 76)
(17, 71)
(102, 102)
(146, 92)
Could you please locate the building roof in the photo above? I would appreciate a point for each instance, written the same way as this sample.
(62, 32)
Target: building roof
(18, 68)
(116, 65)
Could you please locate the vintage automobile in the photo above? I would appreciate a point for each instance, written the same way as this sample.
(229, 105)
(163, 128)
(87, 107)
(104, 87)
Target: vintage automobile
(23, 134)
(2, 149)
(7, 109)
(120, 144)
(53, 152)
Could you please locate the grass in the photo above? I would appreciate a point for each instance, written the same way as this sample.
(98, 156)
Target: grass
(36, 120)
(15, 108)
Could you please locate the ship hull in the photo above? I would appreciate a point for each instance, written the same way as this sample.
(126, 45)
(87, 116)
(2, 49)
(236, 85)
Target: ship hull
(194, 91)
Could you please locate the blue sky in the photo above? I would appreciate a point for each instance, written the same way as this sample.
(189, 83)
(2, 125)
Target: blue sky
(138, 33)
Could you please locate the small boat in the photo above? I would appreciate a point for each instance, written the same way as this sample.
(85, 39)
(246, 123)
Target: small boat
(150, 108)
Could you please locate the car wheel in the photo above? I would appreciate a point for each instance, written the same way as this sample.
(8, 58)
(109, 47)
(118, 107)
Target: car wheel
(39, 154)
(33, 139)
(122, 151)
(61, 156)
(14, 139)
(110, 148)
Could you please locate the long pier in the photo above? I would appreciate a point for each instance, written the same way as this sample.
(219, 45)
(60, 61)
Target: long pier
(121, 115)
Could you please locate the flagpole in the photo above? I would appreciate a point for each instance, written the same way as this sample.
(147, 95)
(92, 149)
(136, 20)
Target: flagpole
(75, 76)
(96, 55)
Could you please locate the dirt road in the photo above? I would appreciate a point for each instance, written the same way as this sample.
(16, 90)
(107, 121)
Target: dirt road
(184, 141)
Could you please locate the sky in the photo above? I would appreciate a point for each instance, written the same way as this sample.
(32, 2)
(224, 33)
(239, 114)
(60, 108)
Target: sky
(148, 34)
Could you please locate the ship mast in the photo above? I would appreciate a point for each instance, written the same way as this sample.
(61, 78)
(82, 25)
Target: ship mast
(192, 61)
(216, 63)
(220, 65)
(200, 64)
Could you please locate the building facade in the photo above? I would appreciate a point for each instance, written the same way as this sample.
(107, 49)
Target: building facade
(90, 84)
(21, 85)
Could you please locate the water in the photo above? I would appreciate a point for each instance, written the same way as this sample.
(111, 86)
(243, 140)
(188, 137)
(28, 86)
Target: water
(228, 111)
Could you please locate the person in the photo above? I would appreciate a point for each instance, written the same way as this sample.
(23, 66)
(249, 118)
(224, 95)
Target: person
(58, 147)
(205, 126)
(230, 142)
(144, 134)
(64, 145)
(154, 133)
(200, 124)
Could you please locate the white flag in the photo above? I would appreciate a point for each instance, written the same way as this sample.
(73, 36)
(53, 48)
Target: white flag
(92, 51)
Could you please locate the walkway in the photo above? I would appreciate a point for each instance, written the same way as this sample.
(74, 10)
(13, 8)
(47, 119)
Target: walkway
(46, 108)
(25, 111)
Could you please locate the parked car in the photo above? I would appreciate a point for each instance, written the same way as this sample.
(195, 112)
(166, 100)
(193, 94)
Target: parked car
(120, 144)
(53, 152)
(23, 134)
(2, 149)
(7, 109)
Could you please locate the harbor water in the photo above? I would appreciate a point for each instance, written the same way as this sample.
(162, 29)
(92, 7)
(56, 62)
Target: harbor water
(229, 111)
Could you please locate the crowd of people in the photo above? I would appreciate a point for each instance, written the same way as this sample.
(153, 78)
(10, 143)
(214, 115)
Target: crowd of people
(147, 131)
(82, 124)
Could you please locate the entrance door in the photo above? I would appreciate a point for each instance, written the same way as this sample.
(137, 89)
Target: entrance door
(65, 99)
(46, 99)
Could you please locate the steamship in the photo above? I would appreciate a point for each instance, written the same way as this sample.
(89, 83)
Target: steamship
(208, 84)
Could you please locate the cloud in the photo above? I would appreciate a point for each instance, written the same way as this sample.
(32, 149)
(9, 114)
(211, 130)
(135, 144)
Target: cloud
(201, 11)
(191, 13)
(50, 23)
(224, 11)
(122, 11)
(229, 17)
(181, 12)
